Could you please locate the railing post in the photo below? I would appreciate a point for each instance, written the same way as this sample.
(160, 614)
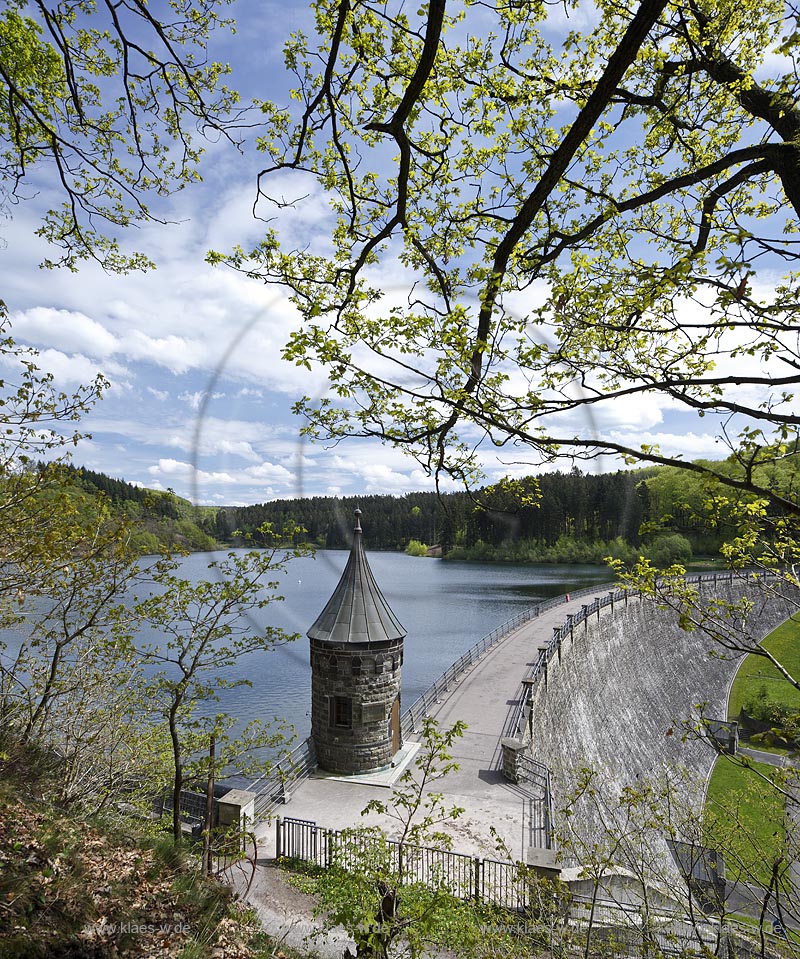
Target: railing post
(477, 879)
(278, 843)
(314, 845)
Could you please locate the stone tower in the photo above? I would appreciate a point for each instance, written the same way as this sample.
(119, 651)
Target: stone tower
(356, 659)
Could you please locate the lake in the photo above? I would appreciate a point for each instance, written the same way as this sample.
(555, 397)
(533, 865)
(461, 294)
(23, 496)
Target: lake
(444, 607)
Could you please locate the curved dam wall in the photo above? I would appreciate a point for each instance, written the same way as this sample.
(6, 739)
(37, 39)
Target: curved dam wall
(626, 682)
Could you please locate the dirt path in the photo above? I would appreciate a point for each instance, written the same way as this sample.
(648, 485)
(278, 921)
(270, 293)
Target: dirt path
(285, 912)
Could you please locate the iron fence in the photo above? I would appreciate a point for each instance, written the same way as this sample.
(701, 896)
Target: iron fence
(614, 928)
(192, 807)
(460, 874)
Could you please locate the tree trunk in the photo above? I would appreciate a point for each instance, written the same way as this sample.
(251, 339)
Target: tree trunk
(177, 782)
(208, 852)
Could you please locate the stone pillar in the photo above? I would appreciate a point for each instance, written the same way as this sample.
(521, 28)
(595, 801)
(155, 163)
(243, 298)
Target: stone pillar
(236, 810)
(513, 749)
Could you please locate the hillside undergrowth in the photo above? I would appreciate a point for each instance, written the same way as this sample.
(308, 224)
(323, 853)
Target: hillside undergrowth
(86, 889)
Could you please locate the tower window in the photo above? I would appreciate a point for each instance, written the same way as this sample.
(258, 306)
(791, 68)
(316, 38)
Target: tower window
(341, 712)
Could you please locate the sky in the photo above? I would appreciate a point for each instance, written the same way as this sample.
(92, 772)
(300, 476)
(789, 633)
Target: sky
(200, 399)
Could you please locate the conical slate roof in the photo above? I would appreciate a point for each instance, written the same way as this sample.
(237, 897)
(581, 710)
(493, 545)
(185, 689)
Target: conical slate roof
(357, 612)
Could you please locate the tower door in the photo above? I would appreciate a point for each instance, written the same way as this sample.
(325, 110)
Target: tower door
(394, 725)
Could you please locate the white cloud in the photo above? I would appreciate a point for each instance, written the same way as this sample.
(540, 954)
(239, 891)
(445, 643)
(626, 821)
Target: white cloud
(175, 353)
(167, 467)
(193, 399)
(270, 471)
(380, 478)
(237, 448)
(371, 469)
(73, 370)
(185, 316)
(67, 330)
(688, 446)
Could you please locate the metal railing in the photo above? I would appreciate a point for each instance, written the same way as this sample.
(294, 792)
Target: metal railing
(538, 775)
(274, 788)
(421, 706)
(622, 928)
(515, 725)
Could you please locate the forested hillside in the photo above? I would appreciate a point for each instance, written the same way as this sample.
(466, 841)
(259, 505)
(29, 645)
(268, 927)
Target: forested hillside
(159, 519)
(556, 517)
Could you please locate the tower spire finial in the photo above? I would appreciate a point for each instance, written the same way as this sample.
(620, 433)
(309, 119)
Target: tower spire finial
(357, 611)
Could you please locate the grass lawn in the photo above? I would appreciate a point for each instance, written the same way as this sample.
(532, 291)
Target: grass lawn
(744, 816)
(755, 671)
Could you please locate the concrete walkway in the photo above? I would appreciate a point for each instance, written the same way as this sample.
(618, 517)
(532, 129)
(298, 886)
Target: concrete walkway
(483, 698)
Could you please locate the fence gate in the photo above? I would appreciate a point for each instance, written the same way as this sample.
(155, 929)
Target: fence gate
(298, 839)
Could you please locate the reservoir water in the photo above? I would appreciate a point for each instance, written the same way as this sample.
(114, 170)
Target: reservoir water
(444, 607)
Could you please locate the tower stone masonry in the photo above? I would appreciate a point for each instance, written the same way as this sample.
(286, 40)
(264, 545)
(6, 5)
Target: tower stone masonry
(356, 664)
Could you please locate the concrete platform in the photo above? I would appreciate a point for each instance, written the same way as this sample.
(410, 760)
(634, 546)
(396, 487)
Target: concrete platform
(378, 777)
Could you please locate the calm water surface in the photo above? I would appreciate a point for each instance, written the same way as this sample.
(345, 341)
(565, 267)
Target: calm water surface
(444, 607)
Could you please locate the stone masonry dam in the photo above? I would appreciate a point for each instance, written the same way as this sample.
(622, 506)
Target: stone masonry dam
(620, 688)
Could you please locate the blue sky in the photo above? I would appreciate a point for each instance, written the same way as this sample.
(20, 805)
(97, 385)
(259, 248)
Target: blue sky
(200, 399)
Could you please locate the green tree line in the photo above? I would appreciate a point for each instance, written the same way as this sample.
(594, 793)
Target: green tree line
(159, 519)
(556, 517)
(660, 512)
(494, 523)
(522, 521)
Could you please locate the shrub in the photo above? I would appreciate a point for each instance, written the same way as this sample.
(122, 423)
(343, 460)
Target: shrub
(415, 548)
(665, 551)
(784, 721)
